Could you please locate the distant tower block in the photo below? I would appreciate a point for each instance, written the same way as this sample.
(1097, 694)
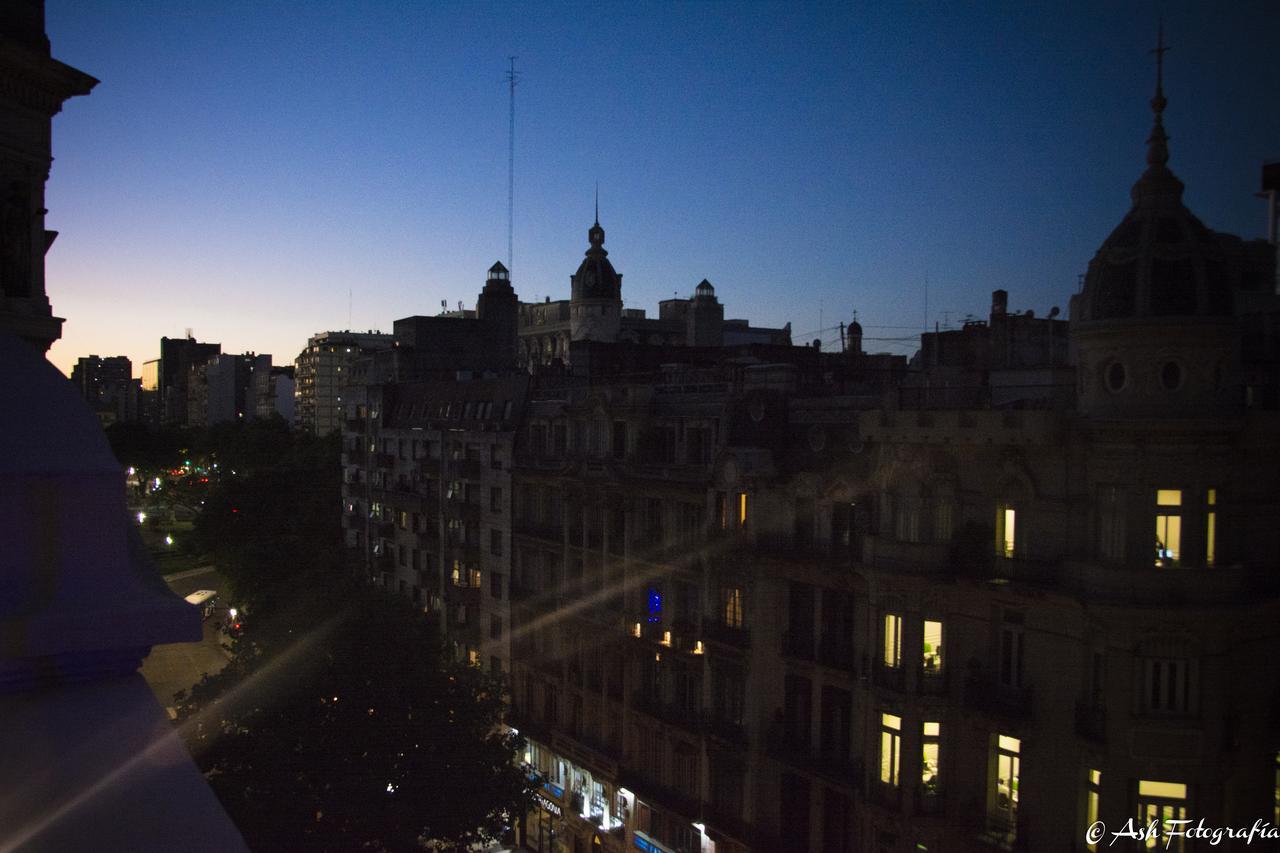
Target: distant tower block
(706, 318)
(595, 304)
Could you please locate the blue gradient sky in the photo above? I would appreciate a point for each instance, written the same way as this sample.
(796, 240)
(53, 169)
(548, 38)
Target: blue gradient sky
(246, 163)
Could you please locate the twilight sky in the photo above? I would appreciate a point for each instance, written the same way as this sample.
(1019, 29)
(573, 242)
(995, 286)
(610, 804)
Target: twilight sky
(244, 165)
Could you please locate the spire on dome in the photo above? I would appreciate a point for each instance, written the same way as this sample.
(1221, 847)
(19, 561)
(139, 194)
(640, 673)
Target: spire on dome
(1158, 185)
(1158, 142)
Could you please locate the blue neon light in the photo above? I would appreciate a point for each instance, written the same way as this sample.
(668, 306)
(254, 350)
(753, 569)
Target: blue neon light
(655, 604)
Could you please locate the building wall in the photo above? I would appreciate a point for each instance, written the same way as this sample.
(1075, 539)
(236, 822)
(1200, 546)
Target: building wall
(321, 376)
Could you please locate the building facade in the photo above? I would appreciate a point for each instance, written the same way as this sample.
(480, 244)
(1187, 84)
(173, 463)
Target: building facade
(108, 386)
(178, 358)
(759, 597)
(321, 374)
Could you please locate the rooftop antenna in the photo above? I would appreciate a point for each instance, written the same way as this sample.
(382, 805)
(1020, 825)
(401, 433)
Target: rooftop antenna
(512, 77)
(597, 202)
(926, 300)
(348, 308)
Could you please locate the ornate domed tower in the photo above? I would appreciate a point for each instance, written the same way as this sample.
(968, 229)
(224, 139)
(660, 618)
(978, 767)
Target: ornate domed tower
(1152, 328)
(595, 303)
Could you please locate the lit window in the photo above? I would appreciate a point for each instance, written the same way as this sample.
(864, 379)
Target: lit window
(890, 746)
(932, 660)
(892, 640)
(932, 733)
(1092, 792)
(1211, 528)
(1004, 793)
(1162, 802)
(1168, 527)
(1006, 530)
(733, 607)
(742, 510)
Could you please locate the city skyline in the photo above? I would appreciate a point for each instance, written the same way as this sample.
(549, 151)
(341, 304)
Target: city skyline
(240, 171)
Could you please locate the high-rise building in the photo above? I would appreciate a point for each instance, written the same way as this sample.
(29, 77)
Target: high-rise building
(322, 372)
(108, 386)
(177, 358)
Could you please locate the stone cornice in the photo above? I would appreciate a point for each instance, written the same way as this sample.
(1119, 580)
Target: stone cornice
(38, 82)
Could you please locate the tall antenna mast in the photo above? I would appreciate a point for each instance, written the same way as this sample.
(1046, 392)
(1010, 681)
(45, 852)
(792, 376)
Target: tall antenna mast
(511, 162)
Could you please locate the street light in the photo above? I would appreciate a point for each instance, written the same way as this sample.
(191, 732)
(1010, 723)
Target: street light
(142, 517)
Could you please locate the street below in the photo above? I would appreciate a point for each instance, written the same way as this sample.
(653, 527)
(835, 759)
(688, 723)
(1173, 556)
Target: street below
(177, 666)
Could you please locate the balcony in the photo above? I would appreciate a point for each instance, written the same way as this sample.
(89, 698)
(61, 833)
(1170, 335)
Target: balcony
(886, 796)
(356, 456)
(467, 469)
(384, 460)
(889, 677)
(354, 424)
(1091, 722)
(726, 634)
(883, 552)
(724, 730)
(998, 700)
(932, 681)
(685, 805)
(537, 530)
(797, 645)
(463, 509)
(787, 741)
(930, 800)
(837, 654)
(429, 466)
(467, 595)
(688, 719)
(384, 529)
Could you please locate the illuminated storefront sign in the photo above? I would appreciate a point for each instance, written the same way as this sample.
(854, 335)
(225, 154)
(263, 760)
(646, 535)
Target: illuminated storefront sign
(548, 805)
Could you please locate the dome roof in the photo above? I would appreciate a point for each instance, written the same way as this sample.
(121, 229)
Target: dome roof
(1160, 261)
(596, 278)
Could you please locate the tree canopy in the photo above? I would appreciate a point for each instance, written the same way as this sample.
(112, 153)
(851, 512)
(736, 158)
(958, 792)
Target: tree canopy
(338, 726)
(339, 723)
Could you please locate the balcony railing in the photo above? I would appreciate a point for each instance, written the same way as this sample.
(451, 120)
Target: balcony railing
(539, 530)
(468, 595)
(689, 719)
(983, 694)
(1091, 722)
(837, 654)
(724, 730)
(727, 634)
(467, 469)
(797, 645)
(932, 681)
(891, 677)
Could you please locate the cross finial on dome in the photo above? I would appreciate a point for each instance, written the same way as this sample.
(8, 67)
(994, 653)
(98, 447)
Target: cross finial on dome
(597, 202)
(1158, 142)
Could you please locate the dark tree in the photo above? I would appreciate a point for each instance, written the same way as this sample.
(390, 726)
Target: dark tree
(338, 726)
(266, 526)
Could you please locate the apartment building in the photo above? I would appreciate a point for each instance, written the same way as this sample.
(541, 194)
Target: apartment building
(761, 597)
(322, 373)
